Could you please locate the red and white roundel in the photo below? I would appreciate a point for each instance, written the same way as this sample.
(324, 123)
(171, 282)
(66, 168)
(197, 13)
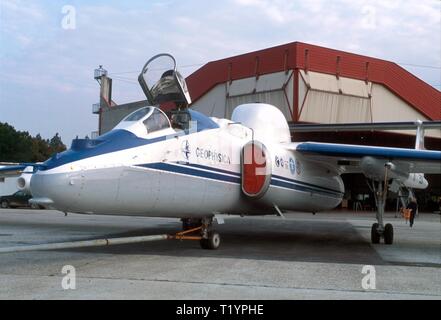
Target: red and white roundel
(256, 170)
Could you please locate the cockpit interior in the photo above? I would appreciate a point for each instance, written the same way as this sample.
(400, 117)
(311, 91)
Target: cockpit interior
(150, 122)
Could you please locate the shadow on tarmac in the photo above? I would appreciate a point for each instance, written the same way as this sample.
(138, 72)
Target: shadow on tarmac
(259, 239)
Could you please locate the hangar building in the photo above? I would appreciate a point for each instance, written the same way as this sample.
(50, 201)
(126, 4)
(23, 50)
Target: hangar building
(311, 84)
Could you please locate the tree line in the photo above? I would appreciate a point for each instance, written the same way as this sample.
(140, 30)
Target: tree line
(20, 146)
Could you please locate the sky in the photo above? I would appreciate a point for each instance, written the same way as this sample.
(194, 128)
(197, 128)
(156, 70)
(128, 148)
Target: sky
(50, 48)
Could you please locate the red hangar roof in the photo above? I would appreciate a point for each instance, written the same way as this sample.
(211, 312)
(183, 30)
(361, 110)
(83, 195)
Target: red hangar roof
(297, 55)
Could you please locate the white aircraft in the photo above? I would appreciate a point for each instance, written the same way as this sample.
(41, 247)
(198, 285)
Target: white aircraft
(190, 166)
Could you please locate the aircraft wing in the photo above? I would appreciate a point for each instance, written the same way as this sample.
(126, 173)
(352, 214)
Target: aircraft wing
(348, 157)
(8, 171)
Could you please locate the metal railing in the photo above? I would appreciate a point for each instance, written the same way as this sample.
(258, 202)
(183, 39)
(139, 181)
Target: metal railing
(96, 108)
(98, 73)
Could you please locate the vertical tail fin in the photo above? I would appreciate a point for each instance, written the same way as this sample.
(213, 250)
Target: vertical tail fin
(419, 143)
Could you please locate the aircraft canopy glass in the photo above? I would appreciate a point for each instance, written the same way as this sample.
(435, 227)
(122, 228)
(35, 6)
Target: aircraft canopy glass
(138, 114)
(156, 121)
(161, 82)
(145, 120)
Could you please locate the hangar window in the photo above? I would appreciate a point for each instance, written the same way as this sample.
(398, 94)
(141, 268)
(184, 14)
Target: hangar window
(156, 121)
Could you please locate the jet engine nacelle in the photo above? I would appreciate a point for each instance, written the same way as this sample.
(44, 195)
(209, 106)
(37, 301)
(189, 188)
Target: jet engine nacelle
(376, 169)
(24, 181)
(256, 169)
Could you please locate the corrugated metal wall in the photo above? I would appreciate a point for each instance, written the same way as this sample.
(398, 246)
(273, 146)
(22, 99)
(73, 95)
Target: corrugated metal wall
(275, 88)
(327, 107)
(276, 97)
(331, 99)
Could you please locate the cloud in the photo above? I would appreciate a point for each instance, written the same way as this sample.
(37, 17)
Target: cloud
(41, 59)
(277, 11)
(22, 9)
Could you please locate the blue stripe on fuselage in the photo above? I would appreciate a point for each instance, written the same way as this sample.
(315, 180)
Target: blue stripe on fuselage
(112, 141)
(212, 168)
(197, 170)
(285, 179)
(304, 188)
(306, 184)
(190, 171)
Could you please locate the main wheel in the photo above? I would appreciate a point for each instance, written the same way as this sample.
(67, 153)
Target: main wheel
(213, 241)
(375, 235)
(388, 234)
(5, 204)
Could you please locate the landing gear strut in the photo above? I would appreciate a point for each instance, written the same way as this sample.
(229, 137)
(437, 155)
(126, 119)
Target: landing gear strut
(208, 238)
(379, 230)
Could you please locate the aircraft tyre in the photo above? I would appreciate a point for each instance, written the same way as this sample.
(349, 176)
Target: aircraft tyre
(375, 235)
(388, 234)
(212, 242)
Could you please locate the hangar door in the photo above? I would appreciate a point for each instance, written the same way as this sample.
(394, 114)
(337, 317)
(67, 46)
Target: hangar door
(325, 98)
(275, 88)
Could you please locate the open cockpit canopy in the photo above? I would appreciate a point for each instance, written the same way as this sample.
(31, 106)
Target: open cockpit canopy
(161, 82)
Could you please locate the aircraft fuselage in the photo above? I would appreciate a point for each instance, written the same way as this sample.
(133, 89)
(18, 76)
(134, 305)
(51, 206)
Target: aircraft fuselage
(188, 175)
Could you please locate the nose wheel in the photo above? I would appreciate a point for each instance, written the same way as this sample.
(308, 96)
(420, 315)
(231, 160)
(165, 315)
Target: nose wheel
(212, 242)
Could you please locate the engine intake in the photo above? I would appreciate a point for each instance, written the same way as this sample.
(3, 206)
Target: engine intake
(24, 181)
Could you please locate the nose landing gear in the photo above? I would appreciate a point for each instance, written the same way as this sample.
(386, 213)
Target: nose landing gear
(199, 229)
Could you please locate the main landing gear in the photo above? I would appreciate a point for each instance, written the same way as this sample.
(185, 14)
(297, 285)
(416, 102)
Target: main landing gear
(202, 230)
(379, 230)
